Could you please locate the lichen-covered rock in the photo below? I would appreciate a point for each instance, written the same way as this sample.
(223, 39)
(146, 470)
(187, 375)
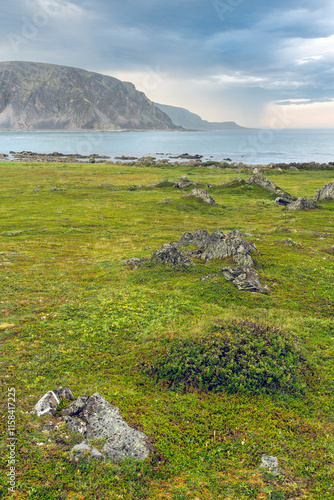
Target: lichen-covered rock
(233, 245)
(101, 420)
(201, 238)
(183, 182)
(325, 193)
(261, 181)
(203, 195)
(244, 278)
(302, 204)
(170, 254)
(49, 402)
(271, 463)
(82, 450)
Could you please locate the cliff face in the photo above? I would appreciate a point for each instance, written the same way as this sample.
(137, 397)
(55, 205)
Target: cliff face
(37, 96)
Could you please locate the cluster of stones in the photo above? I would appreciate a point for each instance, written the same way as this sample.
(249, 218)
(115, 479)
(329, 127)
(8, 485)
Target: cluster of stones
(95, 418)
(209, 247)
(285, 199)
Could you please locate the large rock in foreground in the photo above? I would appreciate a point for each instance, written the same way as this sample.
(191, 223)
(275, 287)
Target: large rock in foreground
(325, 193)
(97, 419)
(244, 278)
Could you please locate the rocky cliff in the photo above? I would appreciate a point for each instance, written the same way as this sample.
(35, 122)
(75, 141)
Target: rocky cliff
(37, 96)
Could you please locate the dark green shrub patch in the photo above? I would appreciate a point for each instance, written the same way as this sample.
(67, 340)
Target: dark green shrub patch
(238, 357)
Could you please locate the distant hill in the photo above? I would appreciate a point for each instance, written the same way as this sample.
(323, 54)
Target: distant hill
(38, 96)
(188, 120)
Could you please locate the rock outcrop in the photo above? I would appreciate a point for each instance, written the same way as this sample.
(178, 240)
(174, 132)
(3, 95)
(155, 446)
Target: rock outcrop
(98, 420)
(302, 204)
(261, 181)
(203, 195)
(183, 182)
(244, 278)
(218, 245)
(325, 193)
(170, 254)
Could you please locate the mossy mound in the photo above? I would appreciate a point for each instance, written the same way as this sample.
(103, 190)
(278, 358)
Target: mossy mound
(239, 357)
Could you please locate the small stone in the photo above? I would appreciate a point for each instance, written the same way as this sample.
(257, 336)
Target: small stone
(78, 451)
(49, 402)
(244, 278)
(102, 217)
(271, 463)
(134, 262)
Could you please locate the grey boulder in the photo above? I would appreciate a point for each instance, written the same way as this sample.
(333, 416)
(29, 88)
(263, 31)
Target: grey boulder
(325, 193)
(302, 204)
(233, 245)
(101, 420)
(244, 278)
(203, 195)
(170, 254)
(183, 182)
(82, 450)
(261, 181)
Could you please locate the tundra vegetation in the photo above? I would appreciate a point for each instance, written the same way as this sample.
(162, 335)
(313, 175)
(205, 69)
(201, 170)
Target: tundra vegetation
(216, 376)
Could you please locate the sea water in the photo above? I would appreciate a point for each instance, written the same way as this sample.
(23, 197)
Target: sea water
(247, 146)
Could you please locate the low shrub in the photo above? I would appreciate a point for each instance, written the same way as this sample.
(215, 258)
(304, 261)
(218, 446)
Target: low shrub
(237, 357)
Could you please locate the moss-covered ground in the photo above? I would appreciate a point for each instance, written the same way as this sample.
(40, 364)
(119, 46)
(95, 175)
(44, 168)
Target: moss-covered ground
(73, 315)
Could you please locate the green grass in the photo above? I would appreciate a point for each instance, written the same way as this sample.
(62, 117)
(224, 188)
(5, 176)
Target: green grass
(73, 315)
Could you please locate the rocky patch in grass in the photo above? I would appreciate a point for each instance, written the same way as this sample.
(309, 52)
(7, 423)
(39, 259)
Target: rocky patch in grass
(95, 418)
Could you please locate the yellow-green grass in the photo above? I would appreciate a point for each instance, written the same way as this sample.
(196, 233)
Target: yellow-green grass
(79, 318)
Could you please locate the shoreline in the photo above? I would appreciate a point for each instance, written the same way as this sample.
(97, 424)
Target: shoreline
(161, 159)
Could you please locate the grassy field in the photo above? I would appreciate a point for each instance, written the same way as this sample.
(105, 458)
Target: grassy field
(73, 315)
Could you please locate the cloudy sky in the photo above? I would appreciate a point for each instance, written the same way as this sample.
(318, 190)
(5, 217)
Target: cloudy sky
(256, 62)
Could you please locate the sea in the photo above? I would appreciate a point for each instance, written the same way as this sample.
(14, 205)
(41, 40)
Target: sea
(251, 146)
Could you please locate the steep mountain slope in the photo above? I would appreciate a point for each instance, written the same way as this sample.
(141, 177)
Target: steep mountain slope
(38, 96)
(188, 120)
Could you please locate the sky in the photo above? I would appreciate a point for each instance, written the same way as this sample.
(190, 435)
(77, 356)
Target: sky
(261, 63)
